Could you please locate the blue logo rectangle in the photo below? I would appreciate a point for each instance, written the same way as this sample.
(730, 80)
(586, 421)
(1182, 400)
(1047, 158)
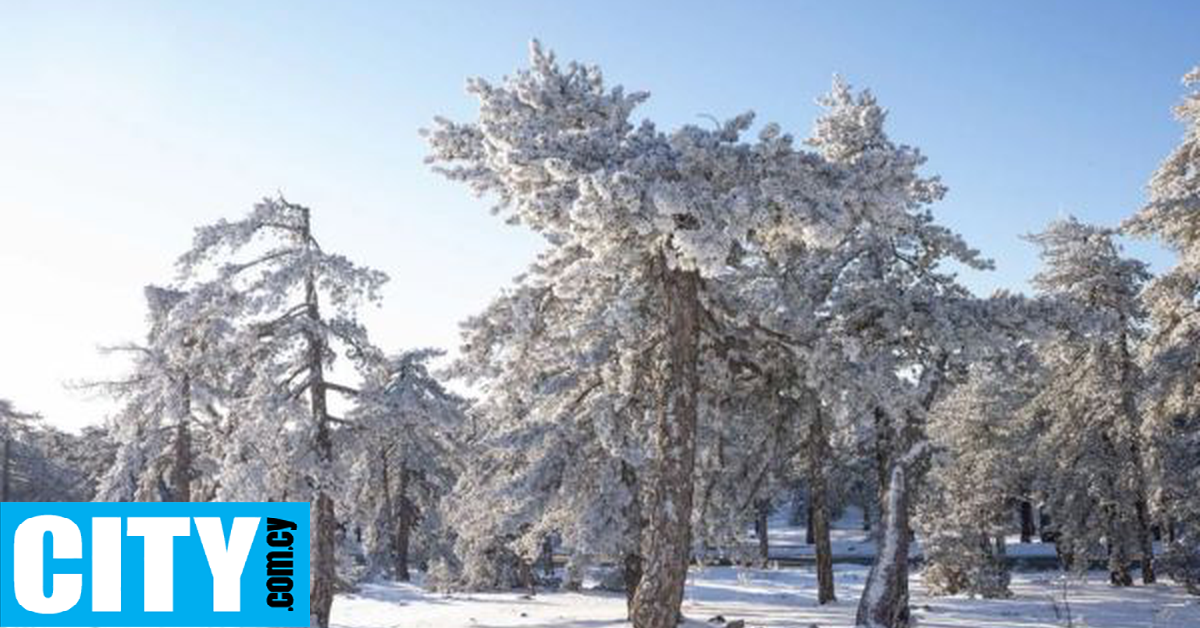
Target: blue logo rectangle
(154, 564)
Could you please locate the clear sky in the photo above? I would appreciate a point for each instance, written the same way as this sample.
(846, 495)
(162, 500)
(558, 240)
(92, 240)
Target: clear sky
(125, 124)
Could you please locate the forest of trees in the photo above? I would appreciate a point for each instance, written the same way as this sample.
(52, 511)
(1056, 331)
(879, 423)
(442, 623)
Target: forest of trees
(718, 322)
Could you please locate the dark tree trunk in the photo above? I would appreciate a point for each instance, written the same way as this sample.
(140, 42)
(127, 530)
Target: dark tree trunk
(324, 566)
(818, 453)
(667, 539)
(1066, 556)
(633, 577)
(1118, 567)
(548, 556)
(883, 457)
(1129, 383)
(809, 535)
(181, 469)
(884, 602)
(1119, 558)
(1045, 533)
(390, 513)
(404, 524)
(1145, 542)
(762, 511)
(1027, 527)
(867, 513)
(526, 574)
(1116, 528)
(633, 536)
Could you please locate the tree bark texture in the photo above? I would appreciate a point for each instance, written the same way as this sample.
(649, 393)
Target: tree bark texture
(1027, 527)
(324, 566)
(633, 536)
(819, 451)
(884, 602)
(762, 511)
(404, 524)
(667, 537)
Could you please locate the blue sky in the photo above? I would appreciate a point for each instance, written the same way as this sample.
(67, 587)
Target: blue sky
(124, 125)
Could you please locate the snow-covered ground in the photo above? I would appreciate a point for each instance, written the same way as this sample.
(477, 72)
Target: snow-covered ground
(785, 597)
(850, 541)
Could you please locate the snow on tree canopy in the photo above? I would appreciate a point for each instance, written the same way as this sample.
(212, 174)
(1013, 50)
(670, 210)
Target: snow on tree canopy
(559, 152)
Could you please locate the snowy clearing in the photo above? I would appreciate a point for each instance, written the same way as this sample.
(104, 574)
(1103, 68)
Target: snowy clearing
(777, 598)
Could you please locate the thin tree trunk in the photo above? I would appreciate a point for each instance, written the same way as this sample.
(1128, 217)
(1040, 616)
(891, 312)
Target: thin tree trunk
(818, 453)
(390, 514)
(1118, 558)
(762, 511)
(1145, 541)
(667, 538)
(996, 577)
(324, 567)
(548, 556)
(1116, 537)
(1045, 531)
(1129, 385)
(884, 602)
(525, 571)
(1027, 527)
(633, 577)
(633, 534)
(404, 523)
(181, 469)
(809, 536)
(883, 455)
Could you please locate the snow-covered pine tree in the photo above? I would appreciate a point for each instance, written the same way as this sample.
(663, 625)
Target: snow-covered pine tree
(562, 377)
(903, 325)
(776, 310)
(558, 151)
(1093, 445)
(403, 462)
(89, 456)
(15, 429)
(563, 402)
(39, 462)
(162, 439)
(977, 431)
(749, 444)
(293, 305)
(1172, 355)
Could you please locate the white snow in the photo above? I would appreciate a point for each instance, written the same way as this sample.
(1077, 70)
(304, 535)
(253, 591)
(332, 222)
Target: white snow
(784, 597)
